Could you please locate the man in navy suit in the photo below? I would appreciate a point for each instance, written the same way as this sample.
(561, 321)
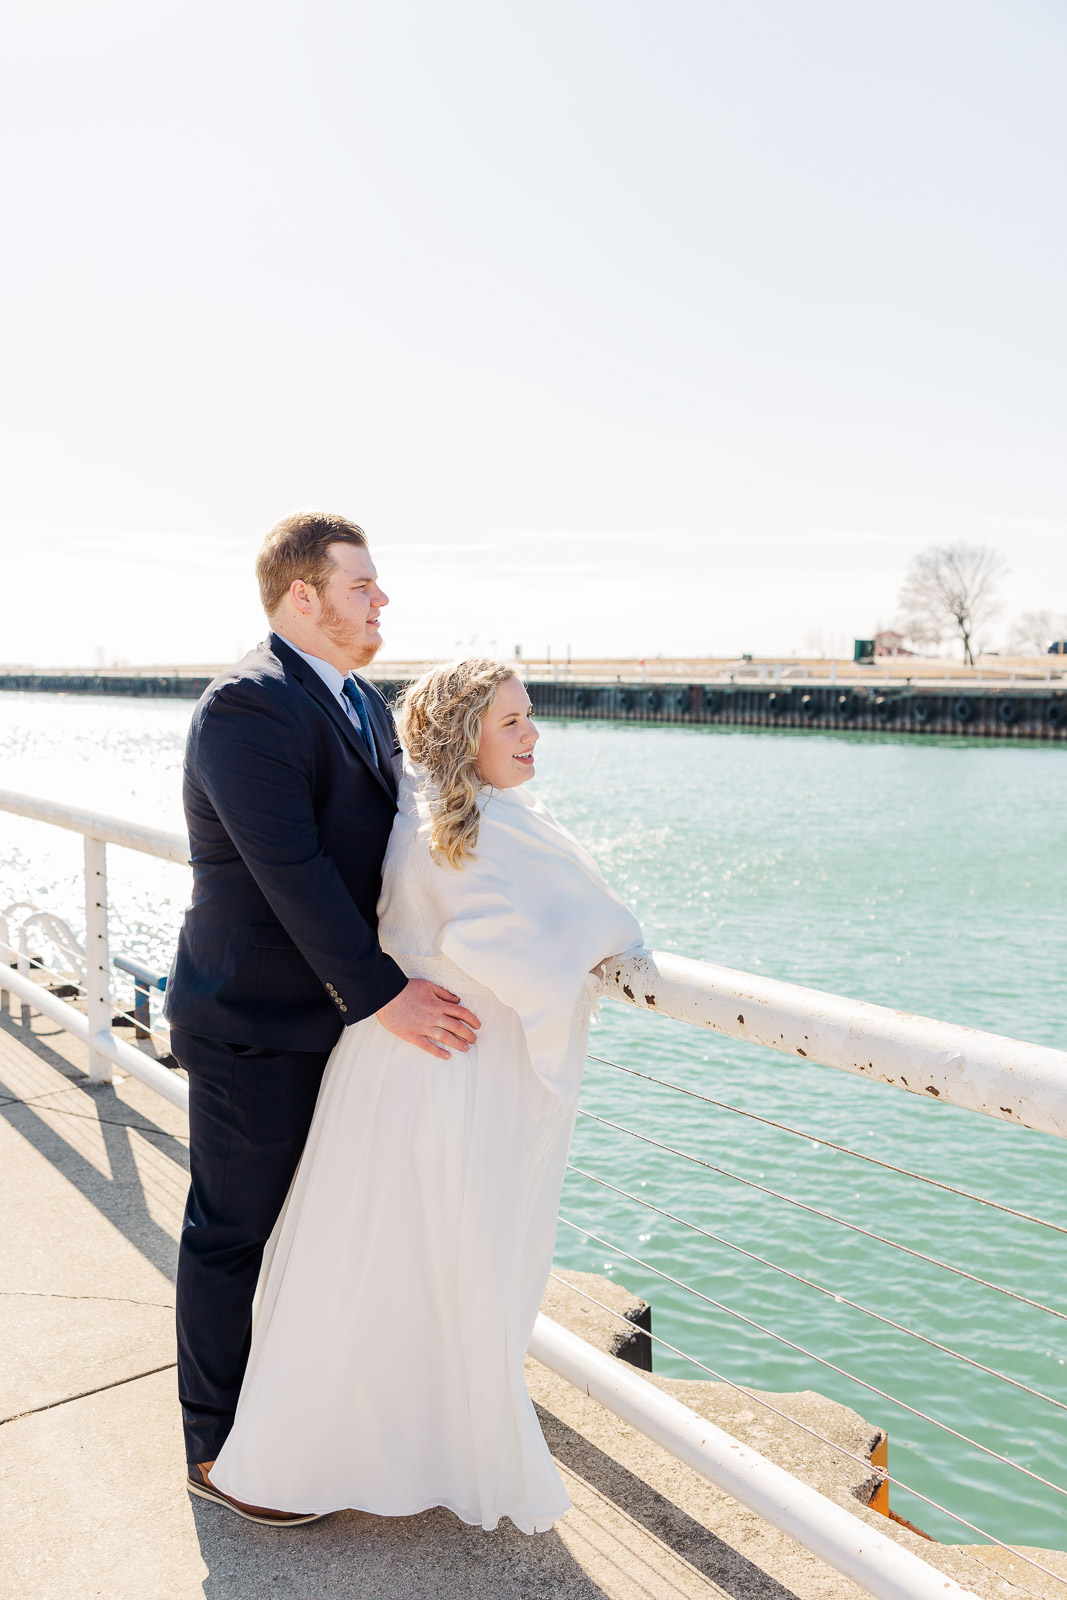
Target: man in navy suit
(290, 793)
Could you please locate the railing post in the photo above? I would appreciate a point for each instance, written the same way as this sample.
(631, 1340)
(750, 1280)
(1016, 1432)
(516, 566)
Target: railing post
(97, 964)
(22, 965)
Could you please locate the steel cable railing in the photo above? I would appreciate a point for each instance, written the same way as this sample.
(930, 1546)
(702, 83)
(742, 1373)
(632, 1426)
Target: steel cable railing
(810, 1283)
(596, 1234)
(1026, 1083)
(35, 965)
(827, 1216)
(829, 1144)
(882, 1473)
(69, 980)
(800, 1349)
(863, 1461)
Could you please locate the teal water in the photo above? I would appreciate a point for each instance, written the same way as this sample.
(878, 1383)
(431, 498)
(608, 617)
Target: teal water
(928, 874)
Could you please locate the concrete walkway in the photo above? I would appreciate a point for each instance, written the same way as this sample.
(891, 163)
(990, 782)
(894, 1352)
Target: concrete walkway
(92, 1184)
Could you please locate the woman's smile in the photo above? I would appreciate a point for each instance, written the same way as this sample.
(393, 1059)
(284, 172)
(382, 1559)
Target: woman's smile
(508, 735)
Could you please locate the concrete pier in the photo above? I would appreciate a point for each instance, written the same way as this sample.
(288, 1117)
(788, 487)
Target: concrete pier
(92, 1504)
(1034, 708)
(1000, 711)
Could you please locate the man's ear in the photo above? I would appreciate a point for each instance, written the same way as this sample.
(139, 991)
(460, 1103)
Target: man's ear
(300, 595)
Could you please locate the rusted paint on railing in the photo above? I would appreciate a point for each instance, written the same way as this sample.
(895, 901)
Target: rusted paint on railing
(1016, 1082)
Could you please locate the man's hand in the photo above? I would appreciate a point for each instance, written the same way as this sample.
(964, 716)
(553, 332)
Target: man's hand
(431, 1017)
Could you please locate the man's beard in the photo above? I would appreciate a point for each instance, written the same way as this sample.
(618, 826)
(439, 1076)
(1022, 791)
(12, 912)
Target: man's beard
(333, 626)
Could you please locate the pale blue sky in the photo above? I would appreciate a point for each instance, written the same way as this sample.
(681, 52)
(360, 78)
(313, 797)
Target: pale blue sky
(642, 327)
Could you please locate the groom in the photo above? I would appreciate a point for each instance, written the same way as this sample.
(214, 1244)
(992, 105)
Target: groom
(290, 792)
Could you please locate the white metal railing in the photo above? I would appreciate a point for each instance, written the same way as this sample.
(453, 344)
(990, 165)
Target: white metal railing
(1021, 1083)
(94, 1025)
(1016, 1082)
(1025, 1084)
(877, 1563)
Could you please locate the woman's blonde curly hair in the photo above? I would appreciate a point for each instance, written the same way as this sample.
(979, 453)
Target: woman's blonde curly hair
(439, 719)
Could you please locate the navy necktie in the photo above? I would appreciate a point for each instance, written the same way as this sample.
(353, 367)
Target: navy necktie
(359, 715)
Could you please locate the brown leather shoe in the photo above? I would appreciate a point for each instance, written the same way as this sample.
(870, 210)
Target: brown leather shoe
(198, 1482)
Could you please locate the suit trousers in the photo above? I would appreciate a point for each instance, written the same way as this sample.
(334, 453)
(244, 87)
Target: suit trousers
(249, 1114)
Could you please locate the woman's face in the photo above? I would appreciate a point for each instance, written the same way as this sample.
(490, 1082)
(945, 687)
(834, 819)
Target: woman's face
(505, 748)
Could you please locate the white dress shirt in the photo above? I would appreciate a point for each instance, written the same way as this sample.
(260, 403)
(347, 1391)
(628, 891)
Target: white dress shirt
(334, 681)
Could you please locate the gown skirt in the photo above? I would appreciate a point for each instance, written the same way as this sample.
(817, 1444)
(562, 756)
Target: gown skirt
(402, 1282)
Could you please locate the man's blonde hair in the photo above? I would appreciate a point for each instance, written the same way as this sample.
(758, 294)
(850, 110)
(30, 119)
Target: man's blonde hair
(299, 547)
(439, 720)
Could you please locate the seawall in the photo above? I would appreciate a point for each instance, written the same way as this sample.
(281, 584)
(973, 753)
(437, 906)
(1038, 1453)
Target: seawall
(982, 710)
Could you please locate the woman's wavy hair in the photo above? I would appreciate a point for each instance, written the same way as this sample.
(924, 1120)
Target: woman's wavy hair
(439, 719)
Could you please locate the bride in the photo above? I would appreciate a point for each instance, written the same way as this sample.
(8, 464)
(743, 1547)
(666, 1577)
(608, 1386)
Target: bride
(406, 1271)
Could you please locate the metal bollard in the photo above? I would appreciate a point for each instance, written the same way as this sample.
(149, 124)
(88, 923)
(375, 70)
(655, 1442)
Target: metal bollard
(141, 1011)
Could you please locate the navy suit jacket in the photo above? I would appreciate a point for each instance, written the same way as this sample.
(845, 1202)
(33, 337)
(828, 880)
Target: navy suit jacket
(288, 822)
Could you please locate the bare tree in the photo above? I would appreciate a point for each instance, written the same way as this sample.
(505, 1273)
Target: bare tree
(952, 589)
(1034, 631)
(924, 632)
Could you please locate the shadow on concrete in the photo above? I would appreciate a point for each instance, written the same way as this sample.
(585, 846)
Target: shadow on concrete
(435, 1556)
(119, 1197)
(23, 1033)
(667, 1522)
(352, 1556)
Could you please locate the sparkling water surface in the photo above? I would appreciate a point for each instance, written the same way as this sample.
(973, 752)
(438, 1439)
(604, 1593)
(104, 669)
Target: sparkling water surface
(924, 873)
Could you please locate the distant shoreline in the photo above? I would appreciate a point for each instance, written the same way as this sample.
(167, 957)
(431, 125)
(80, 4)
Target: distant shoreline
(789, 696)
(631, 670)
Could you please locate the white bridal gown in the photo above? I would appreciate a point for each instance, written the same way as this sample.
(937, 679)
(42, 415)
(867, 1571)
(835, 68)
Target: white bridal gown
(405, 1274)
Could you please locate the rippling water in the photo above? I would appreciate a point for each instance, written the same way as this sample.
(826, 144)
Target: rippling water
(924, 873)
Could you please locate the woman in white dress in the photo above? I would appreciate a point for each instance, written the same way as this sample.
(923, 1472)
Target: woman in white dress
(406, 1272)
